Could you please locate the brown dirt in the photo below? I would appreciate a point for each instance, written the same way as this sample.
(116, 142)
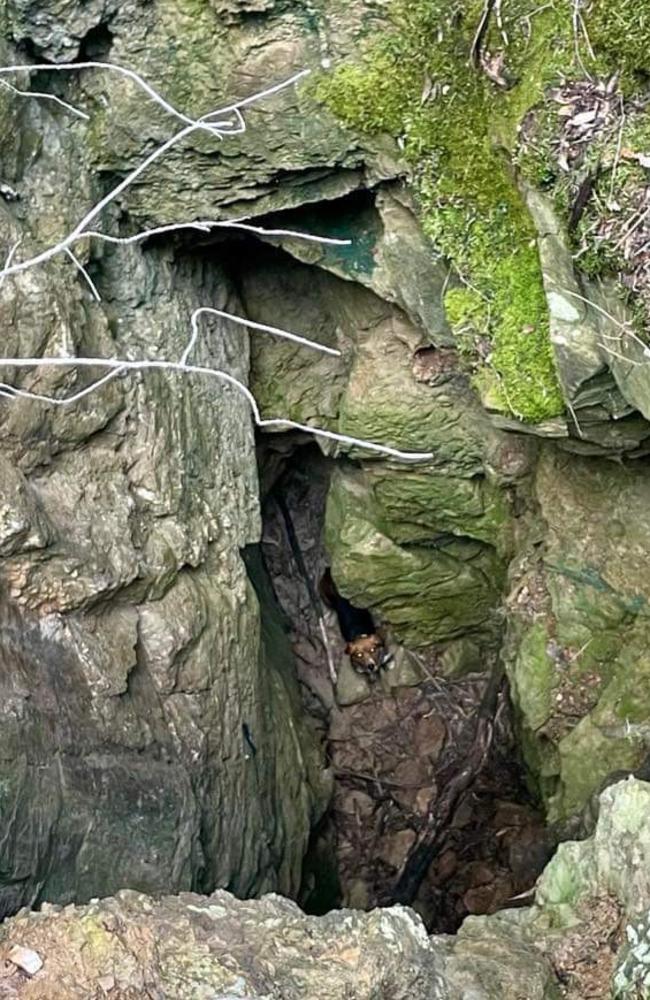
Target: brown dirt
(585, 957)
(433, 365)
(386, 754)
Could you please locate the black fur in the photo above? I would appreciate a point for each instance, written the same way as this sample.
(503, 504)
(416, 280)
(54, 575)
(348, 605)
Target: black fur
(353, 622)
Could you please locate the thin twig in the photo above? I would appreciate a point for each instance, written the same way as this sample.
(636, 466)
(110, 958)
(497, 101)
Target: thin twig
(8, 260)
(575, 419)
(631, 229)
(249, 324)
(215, 128)
(475, 50)
(91, 284)
(621, 357)
(577, 24)
(205, 225)
(617, 155)
(112, 67)
(175, 366)
(44, 97)
(388, 783)
(617, 322)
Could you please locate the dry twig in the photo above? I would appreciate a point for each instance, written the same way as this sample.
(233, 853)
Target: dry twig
(219, 123)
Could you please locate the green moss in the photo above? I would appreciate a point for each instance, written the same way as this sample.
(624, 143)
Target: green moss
(454, 124)
(621, 31)
(534, 678)
(465, 306)
(426, 594)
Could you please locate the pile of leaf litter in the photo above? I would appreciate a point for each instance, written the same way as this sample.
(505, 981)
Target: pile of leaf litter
(588, 147)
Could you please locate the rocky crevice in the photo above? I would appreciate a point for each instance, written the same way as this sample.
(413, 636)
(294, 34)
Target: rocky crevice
(152, 729)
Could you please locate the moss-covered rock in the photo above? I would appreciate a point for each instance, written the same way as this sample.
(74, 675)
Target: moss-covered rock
(579, 626)
(418, 506)
(426, 593)
(590, 912)
(418, 84)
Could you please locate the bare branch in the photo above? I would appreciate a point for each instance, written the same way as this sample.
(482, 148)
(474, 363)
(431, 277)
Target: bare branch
(8, 260)
(89, 281)
(123, 364)
(113, 67)
(44, 97)
(208, 311)
(624, 327)
(205, 225)
(214, 122)
(214, 128)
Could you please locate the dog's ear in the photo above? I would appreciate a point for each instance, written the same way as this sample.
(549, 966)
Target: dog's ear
(348, 648)
(380, 632)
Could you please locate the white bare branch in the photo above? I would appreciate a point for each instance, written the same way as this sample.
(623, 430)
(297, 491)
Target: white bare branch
(625, 328)
(205, 225)
(214, 127)
(112, 67)
(123, 365)
(89, 281)
(13, 391)
(217, 124)
(10, 256)
(239, 320)
(44, 97)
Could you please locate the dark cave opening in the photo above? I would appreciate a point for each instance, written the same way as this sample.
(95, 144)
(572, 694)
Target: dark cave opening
(388, 748)
(96, 44)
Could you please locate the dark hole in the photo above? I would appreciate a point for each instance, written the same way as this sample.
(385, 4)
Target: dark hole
(96, 45)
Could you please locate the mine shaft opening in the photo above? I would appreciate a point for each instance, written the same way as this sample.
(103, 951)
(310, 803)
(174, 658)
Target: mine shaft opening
(391, 745)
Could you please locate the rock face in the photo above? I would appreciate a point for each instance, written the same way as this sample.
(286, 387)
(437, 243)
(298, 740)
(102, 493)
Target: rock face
(135, 669)
(194, 946)
(219, 947)
(137, 665)
(591, 907)
(151, 734)
(587, 932)
(579, 628)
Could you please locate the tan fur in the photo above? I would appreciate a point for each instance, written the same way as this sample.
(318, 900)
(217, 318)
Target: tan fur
(367, 654)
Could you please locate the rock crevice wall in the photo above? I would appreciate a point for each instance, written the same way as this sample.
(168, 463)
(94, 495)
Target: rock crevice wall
(138, 652)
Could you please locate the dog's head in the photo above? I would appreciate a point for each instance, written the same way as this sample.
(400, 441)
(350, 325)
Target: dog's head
(367, 654)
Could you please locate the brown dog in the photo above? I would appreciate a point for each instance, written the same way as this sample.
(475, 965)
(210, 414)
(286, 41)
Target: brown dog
(364, 644)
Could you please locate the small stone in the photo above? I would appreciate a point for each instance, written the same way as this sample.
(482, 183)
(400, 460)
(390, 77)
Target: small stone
(26, 959)
(106, 983)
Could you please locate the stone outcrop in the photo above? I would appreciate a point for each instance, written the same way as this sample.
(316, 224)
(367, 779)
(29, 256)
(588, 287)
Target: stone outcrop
(136, 661)
(585, 936)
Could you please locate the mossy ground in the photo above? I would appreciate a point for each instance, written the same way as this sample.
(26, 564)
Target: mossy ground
(620, 32)
(613, 155)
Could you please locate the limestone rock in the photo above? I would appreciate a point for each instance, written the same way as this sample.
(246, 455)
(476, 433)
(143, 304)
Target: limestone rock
(578, 629)
(135, 652)
(589, 918)
(426, 593)
(198, 947)
(590, 913)
(193, 946)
